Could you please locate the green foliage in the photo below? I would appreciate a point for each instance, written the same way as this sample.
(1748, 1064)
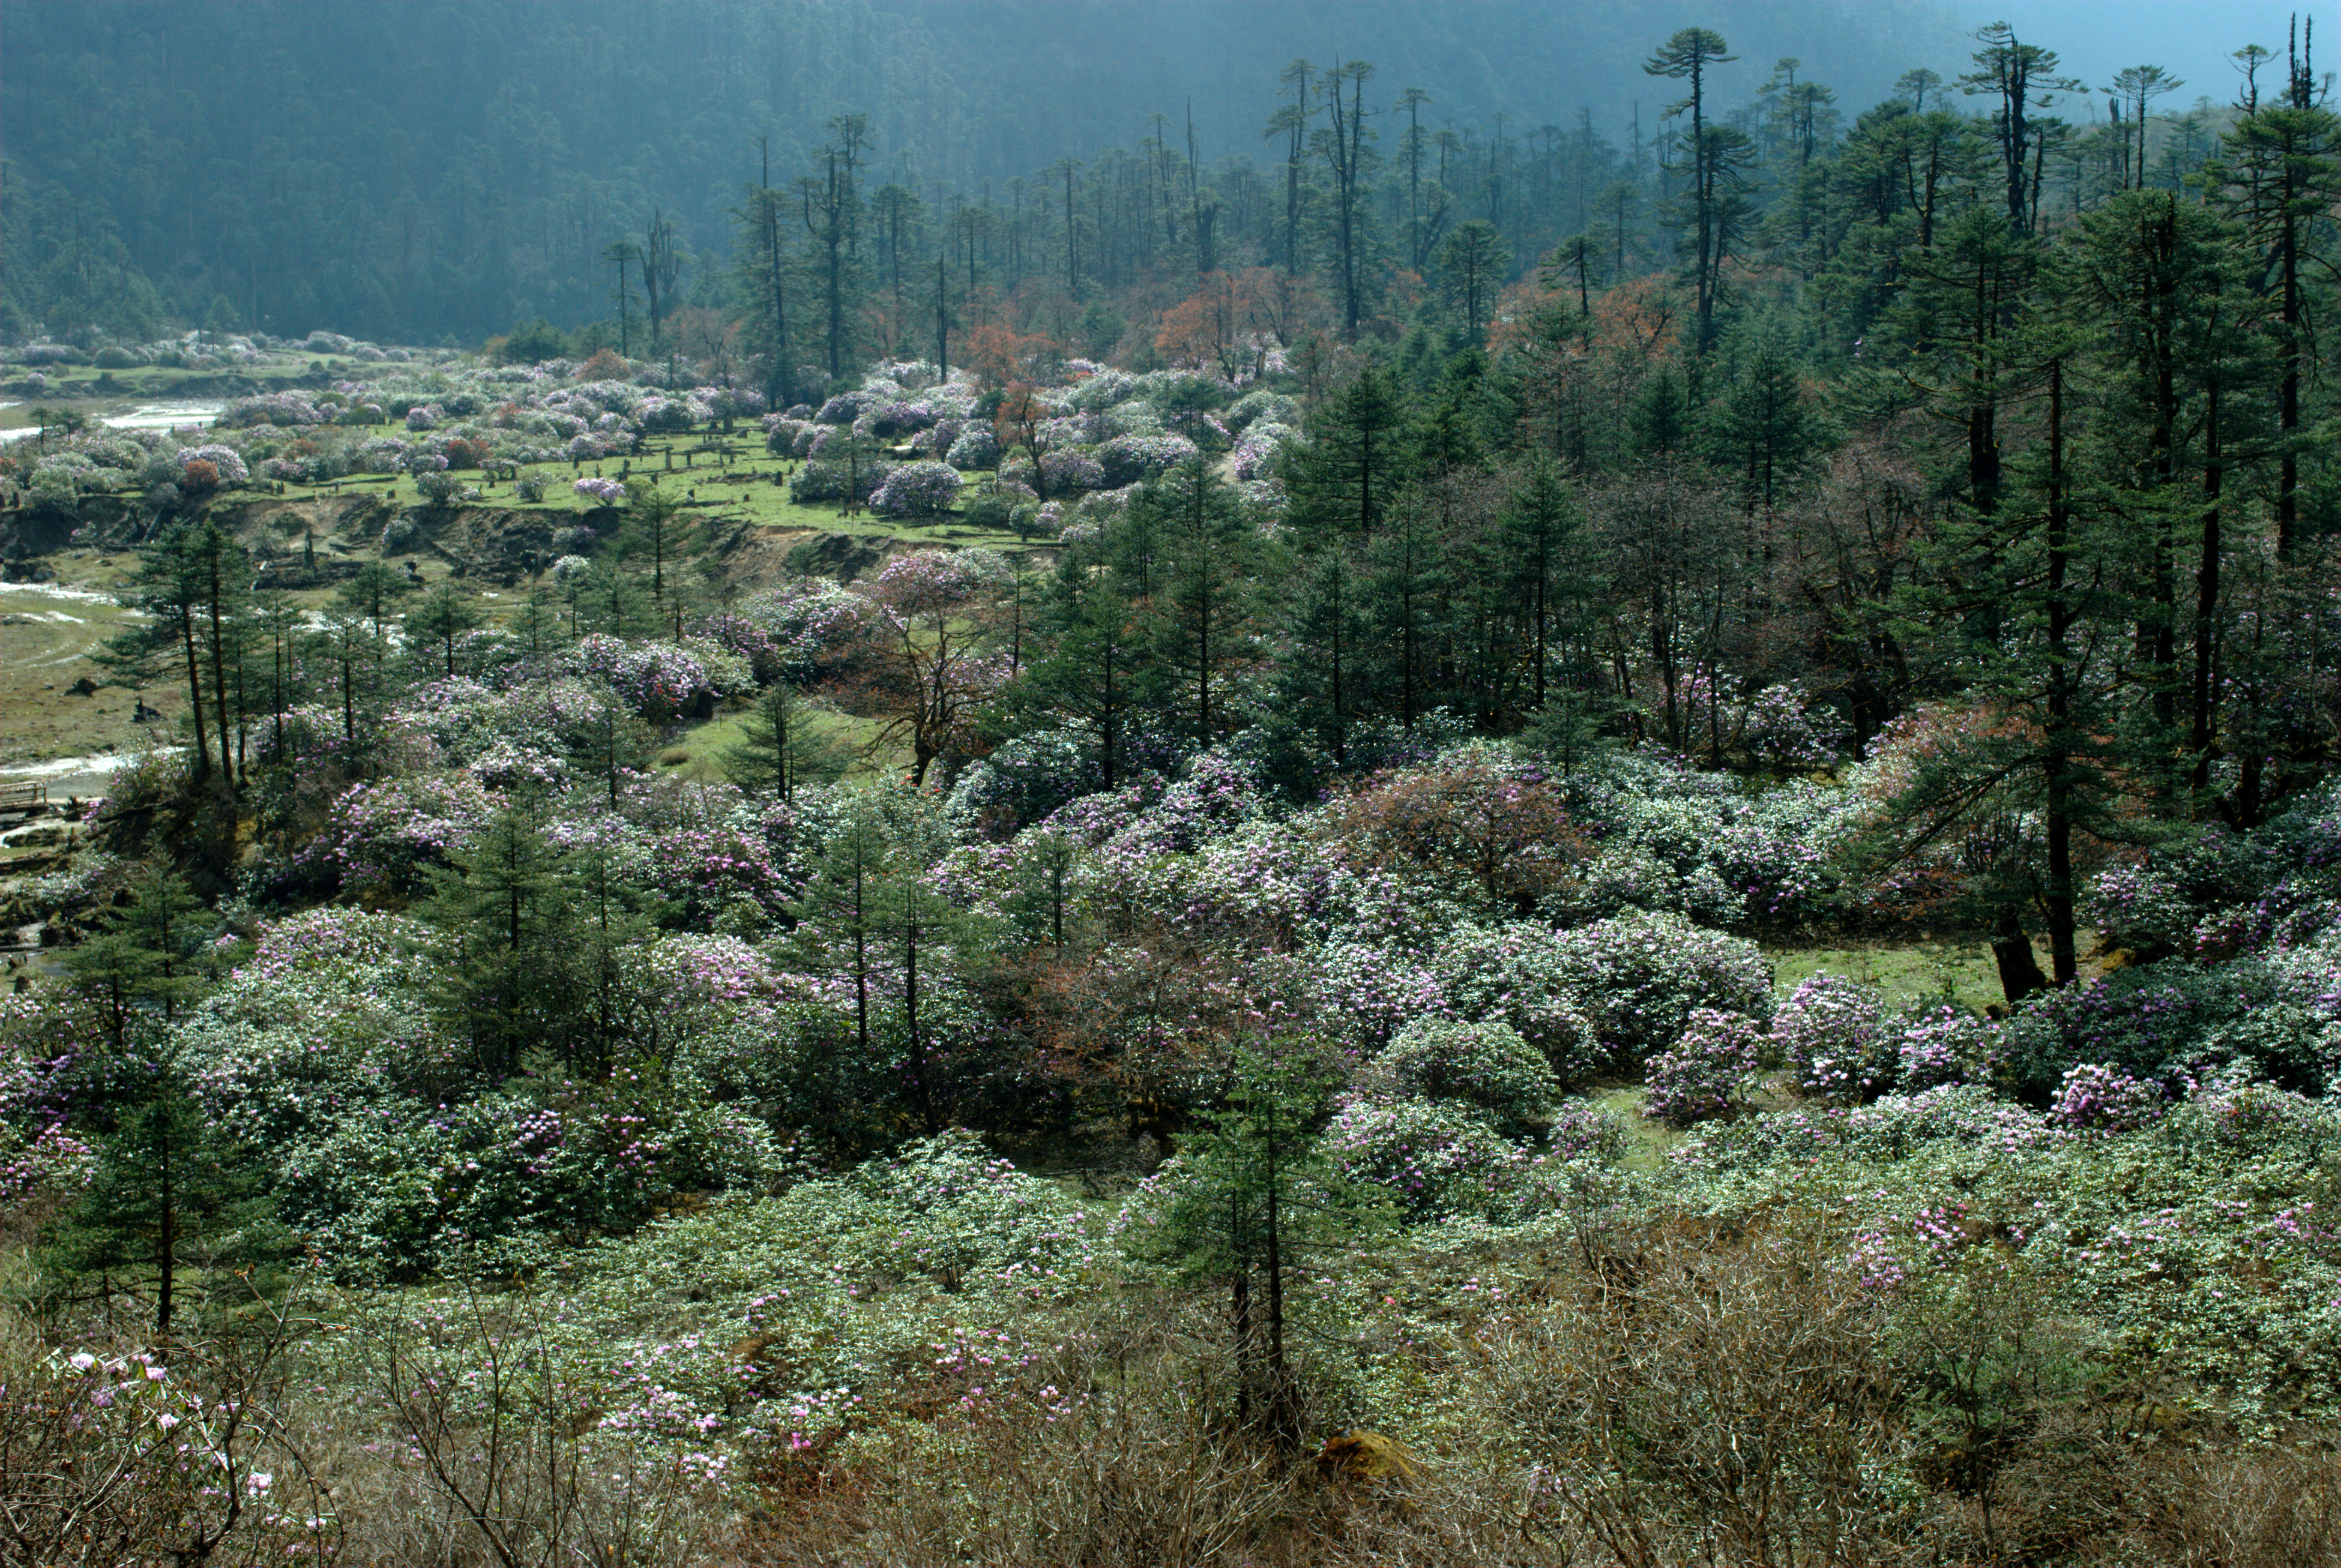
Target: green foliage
(167, 1195)
(533, 343)
(1483, 1068)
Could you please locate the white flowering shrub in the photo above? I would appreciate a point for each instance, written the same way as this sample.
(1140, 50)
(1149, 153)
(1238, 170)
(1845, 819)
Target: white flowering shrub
(1945, 1044)
(2098, 1098)
(1127, 459)
(1514, 974)
(975, 447)
(916, 490)
(1636, 979)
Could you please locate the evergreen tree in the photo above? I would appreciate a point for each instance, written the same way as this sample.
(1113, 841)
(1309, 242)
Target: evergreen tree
(1319, 684)
(445, 614)
(167, 1189)
(2280, 177)
(1542, 530)
(782, 748)
(1715, 151)
(2156, 285)
(1102, 671)
(496, 907)
(1762, 427)
(142, 959)
(658, 534)
(1205, 603)
(1342, 480)
(1255, 1202)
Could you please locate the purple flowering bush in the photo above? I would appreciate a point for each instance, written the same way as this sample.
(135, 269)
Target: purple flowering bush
(225, 460)
(1435, 1160)
(702, 872)
(1127, 459)
(975, 447)
(2098, 1098)
(661, 679)
(1945, 1044)
(1636, 979)
(916, 490)
(389, 834)
(1833, 1034)
(1064, 470)
(1260, 449)
(1515, 974)
(1707, 1073)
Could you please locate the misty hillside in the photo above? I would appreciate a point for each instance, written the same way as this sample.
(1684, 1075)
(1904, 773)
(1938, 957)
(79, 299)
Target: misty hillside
(438, 171)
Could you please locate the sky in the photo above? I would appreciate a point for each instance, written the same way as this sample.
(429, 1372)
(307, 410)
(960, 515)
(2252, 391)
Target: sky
(2191, 39)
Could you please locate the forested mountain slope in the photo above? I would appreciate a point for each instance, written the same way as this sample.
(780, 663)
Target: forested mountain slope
(419, 173)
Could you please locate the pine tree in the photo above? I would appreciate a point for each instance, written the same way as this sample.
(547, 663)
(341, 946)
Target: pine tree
(1102, 671)
(1342, 480)
(659, 534)
(446, 613)
(781, 747)
(142, 960)
(1319, 685)
(1254, 1202)
(496, 907)
(165, 1186)
(1762, 426)
(1206, 604)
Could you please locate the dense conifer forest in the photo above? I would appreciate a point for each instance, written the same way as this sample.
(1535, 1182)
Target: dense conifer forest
(889, 783)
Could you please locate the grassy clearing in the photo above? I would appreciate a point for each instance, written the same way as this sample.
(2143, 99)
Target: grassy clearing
(697, 753)
(46, 640)
(1960, 969)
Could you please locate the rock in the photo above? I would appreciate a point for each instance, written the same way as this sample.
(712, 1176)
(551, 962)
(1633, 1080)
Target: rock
(85, 687)
(1368, 1457)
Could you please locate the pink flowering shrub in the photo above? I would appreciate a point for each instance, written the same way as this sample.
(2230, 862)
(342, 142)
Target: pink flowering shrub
(805, 628)
(2102, 1100)
(1832, 1033)
(42, 1160)
(1127, 459)
(659, 679)
(916, 490)
(1064, 470)
(975, 447)
(1369, 994)
(1260, 450)
(278, 408)
(388, 834)
(701, 872)
(227, 463)
(605, 492)
(924, 583)
(1707, 1073)
(1512, 974)
(1581, 1130)
(1945, 1044)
